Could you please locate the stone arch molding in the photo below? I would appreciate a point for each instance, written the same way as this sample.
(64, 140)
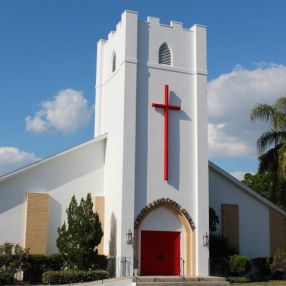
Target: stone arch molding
(188, 231)
(163, 202)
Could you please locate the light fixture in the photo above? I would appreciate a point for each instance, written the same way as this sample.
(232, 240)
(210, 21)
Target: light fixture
(206, 239)
(129, 239)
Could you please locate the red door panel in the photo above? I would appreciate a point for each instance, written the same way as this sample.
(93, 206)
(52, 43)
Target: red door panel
(160, 252)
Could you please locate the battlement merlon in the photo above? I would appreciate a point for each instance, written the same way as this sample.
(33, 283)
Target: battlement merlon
(128, 14)
(200, 49)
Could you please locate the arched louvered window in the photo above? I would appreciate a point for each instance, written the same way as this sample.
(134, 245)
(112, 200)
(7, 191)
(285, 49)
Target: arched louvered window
(165, 56)
(113, 62)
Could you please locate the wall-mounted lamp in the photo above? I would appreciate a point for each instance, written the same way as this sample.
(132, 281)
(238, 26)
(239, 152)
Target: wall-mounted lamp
(206, 239)
(129, 238)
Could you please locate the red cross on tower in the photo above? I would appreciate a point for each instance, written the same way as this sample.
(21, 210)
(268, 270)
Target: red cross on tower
(166, 106)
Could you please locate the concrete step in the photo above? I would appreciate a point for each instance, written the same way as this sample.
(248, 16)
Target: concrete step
(180, 281)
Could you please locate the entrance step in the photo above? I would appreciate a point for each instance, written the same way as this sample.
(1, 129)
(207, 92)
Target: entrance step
(180, 281)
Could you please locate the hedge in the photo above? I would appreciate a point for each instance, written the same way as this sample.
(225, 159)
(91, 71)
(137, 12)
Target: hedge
(67, 277)
(240, 279)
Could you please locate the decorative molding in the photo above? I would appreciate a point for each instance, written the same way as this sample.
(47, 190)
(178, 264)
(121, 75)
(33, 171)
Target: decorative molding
(162, 202)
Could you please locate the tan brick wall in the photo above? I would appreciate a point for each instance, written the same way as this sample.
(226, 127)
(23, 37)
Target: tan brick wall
(230, 224)
(99, 207)
(277, 225)
(37, 223)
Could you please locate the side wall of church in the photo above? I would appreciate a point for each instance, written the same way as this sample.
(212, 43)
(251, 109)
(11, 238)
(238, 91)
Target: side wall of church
(79, 171)
(253, 215)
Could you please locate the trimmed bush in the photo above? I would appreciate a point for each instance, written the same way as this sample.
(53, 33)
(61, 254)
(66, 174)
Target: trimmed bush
(38, 264)
(238, 279)
(5, 278)
(239, 265)
(66, 277)
(278, 266)
(220, 247)
(100, 262)
(262, 267)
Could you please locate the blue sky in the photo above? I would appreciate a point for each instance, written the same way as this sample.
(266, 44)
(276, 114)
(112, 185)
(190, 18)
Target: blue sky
(48, 51)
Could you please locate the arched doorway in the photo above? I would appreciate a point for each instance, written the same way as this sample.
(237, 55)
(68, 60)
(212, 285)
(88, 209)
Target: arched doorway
(164, 231)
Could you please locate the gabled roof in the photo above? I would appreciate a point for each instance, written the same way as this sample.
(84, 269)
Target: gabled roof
(57, 155)
(244, 188)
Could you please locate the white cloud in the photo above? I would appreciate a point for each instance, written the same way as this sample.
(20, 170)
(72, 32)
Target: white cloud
(231, 96)
(67, 112)
(12, 158)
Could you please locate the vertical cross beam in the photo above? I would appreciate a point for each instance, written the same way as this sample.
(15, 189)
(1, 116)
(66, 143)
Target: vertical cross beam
(166, 106)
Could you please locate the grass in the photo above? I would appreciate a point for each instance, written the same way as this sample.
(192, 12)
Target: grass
(268, 283)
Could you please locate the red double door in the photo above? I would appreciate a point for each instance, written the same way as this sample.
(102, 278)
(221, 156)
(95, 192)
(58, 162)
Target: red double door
(160, 253)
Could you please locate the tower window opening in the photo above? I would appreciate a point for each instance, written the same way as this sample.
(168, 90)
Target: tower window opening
(165, 56)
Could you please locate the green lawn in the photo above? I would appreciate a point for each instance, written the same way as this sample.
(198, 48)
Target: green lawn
(269, 283)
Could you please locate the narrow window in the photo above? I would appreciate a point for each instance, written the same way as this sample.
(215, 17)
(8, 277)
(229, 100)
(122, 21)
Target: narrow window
(113, 62)
(165, 54)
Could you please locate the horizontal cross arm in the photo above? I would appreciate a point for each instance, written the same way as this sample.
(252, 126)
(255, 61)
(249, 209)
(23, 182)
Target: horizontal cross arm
(175, 107)
(158, 105)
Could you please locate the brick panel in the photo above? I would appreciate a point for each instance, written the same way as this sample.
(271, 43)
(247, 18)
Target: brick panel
(37, 223)
(230, 224)
(277, 224)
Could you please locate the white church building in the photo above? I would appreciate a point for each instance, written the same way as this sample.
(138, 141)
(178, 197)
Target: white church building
(147, 166)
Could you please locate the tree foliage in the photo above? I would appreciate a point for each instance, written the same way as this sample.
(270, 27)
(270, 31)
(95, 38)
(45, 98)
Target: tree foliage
(271, 146)
(260, 182)
(82, 233)
(213, 220)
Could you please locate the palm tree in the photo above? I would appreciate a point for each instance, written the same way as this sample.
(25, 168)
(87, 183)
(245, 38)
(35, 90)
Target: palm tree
(271, 145)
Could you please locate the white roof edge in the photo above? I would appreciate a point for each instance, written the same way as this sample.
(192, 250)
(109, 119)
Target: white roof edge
(42, 161)
(245, 188)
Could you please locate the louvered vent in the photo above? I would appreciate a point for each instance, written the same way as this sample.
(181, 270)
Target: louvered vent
(114, 62)
(165, 54)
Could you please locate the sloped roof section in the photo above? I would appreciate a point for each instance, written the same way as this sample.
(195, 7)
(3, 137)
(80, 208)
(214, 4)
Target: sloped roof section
(244, 188)
(40, 162)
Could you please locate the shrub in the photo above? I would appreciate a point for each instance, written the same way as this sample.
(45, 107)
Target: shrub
(239, 265)
(12, 259)
(38, 264)
(83, 232)
(100, 262)
(219, 247)
(5, 278)
(240, 279)
(279, 259)
(66, 277)
(262, 266)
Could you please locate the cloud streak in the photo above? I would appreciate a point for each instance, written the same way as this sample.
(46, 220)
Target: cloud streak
(66, 113)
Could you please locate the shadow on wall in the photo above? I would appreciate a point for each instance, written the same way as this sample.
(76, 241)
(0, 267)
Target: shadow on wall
(55, 221)
(174, 137)
(113, 232)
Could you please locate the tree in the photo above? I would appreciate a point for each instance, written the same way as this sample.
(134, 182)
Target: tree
(77, 240)
(271, 145)
(213, 220)
(260, 183)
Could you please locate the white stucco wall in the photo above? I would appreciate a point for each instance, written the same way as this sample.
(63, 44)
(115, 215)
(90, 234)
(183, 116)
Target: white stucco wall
(253, 214)
(74, 172)
(116, 115)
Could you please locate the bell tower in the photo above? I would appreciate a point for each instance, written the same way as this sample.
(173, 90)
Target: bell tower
(151, 101)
